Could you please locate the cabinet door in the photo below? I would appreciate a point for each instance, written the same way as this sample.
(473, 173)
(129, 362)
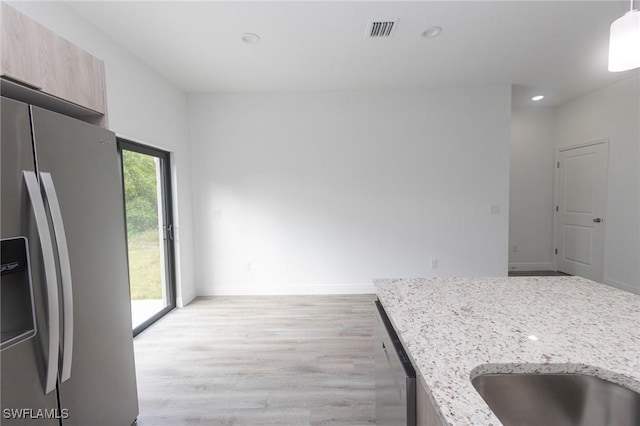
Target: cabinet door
(79, 76)
(426, 412)
(36, 56)
(26, 49)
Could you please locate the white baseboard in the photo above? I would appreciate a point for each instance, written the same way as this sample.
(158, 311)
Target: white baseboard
(234, 290)
(182, 301)
(622, 286)
(536, 266)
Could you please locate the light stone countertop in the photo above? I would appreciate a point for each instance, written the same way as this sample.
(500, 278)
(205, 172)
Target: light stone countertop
(455, 329)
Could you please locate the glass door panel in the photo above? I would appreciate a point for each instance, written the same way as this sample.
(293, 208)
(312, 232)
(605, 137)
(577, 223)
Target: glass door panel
(149, 232)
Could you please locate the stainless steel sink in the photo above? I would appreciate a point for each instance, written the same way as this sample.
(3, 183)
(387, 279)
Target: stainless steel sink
(558, 400)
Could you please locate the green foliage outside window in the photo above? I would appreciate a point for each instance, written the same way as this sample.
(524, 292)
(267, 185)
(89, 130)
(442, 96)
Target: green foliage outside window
(140, 191)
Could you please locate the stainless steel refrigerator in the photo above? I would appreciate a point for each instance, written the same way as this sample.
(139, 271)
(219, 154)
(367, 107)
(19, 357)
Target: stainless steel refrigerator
(67, 348)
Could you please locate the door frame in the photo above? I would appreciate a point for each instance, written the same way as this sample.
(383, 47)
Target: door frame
(556, 191)
(168, 227)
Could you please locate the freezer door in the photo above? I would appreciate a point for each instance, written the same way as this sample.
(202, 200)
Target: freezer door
(23, 365)
(84, 168)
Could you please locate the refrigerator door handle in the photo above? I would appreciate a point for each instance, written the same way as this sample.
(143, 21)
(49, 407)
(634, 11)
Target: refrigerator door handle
(50, 278)
(65, 274)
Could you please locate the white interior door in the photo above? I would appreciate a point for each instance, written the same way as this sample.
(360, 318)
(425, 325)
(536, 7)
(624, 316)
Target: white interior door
(581, 184)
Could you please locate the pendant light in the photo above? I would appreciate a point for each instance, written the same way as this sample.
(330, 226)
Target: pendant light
(624, 44)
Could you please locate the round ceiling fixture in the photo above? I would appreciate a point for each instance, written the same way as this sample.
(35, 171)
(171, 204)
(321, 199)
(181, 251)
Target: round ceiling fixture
(537, 98)
(432, 32)
(250, 38)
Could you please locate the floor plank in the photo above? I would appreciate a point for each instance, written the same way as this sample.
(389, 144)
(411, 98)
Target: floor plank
(260, 360)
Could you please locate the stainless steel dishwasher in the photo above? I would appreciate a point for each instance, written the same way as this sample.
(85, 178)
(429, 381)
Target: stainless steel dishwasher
(395, 376)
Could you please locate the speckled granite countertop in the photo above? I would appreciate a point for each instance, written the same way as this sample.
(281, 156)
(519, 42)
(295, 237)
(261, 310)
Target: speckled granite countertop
(455, 329)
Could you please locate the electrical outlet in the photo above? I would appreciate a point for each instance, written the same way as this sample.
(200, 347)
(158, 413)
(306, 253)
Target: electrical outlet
(515, 248)
(434, 263)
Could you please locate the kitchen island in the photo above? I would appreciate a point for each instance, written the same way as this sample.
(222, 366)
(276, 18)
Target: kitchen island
(455, 329)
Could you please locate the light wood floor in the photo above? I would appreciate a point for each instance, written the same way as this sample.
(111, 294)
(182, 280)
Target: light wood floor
(264, 360)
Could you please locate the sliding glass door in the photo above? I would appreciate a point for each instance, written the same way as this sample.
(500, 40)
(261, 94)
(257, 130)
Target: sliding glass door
(147, 192)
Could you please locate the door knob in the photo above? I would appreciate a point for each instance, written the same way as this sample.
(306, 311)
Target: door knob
(597, 220)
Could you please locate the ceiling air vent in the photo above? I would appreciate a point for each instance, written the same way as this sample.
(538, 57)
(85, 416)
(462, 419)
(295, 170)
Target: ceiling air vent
(381, 29)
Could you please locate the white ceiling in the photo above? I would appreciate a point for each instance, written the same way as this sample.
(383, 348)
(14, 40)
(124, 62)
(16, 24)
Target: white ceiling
(558, 48)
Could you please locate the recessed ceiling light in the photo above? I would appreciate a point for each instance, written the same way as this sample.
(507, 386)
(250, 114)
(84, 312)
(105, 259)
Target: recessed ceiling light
(432, 32)
(537, 98)
(250, 38)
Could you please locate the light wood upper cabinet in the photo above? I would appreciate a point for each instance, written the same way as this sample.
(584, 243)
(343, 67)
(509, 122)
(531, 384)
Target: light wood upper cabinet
(24, 46)
(79, 76)
(37, 57)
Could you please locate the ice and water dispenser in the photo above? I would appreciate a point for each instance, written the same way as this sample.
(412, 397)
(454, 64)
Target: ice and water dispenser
(16, 293)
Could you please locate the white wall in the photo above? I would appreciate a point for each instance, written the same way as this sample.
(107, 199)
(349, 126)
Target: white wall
(613, 113)
(531, 189)
(320, 192)
(142, 107)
